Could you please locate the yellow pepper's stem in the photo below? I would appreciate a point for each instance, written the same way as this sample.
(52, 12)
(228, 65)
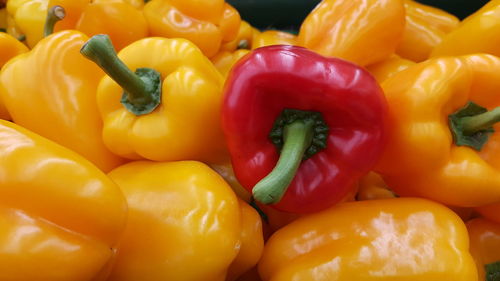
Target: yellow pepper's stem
(142, 89)
(54, 15)
(297, 138)
(473, 124)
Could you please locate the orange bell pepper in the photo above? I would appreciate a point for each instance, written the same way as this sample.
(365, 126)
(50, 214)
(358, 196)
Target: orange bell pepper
(392, 239)
(207, 24)
(361, 31)
(224, 60)
(372, 187)
(61, 218)
(485, 247)
(491, 212)
(252, 242)
(428, 157)
(273, 37)
(387, 68)
(243, 40)
(9, 48)
(478, 33)
(58, 100)
(184, 223)
(426, 27)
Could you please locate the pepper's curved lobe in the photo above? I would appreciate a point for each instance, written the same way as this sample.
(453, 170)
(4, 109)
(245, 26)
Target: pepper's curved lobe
(271, 79)
(60, 216)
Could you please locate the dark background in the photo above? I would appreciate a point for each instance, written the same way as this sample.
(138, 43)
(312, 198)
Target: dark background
(288, 14)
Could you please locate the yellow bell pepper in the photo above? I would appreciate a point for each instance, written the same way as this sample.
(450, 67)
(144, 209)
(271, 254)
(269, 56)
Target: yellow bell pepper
(387, 68)
(224, 60)
(393, 239)
(243, 40)
(205, 23)
(485, 247)
(252, 242)
(226, 171)
(61, 218)
(361, 31)
(426, 27)
(372, 187)
(27, 19)
(172, 113)
(273, 37)
(183, 224)
(478, 33)
(73, 10)
(122, 22)
(455, 164)
(9, 48)
(51, 91)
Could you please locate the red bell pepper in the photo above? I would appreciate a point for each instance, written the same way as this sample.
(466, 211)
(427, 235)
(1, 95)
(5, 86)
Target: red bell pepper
(326, 116)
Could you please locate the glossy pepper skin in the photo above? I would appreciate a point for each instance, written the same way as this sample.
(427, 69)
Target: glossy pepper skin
(60, 217)
(207, 24)
(485, 247)
(58, 100)
(360, 31)
(9, 48)
(273, 37)
(478, 33)
(185, 122)
(425, 28)
(271, 79)
(190, 216)
(224, 60)
(387, 68)
(421, 158)
(392, 239)
(252, 242)
(114, 19)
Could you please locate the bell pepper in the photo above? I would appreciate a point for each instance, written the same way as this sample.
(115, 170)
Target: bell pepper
(27, 18)
(442, 145)
(51, 91)
(426, 27)
(207, 24)
(73, 10)
(9, 48)
(183, 223)
(475, 34)
(224, 60)
(252, 242)
(169, 109)
(372, 187)
(491, 212)
(391, 239)
(243, 40)
(361, 31)
(225, 170)
(387, 68)
(3, 16)
(325, 116)
(61, 218)
(273, 37)
(485, 247)
(122, 22)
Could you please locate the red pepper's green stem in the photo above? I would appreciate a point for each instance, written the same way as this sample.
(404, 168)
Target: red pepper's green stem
(54, 15)
(297, 138)
(473, 124)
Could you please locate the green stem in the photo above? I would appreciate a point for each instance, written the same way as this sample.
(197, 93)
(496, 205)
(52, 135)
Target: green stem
(142, 89)
(54, 15)
(473, 124)
(297, 138)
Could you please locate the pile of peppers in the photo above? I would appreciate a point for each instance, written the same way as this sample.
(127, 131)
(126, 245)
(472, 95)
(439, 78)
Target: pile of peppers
(172, 140)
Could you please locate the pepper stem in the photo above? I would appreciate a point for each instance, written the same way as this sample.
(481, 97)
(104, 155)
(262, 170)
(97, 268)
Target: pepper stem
(54, 14)
(473, 124)
(297, 138)
(142, 88)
